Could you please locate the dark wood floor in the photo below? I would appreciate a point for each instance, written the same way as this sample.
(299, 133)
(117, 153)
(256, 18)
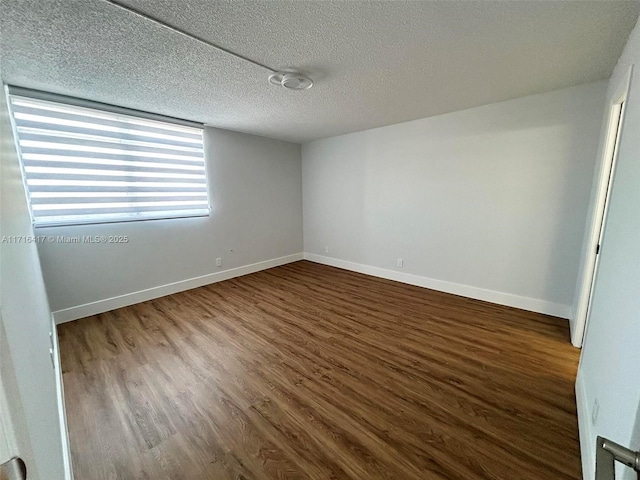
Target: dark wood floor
(309, 372)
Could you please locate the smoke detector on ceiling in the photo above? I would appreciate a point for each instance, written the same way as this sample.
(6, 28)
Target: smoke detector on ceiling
(291, 80)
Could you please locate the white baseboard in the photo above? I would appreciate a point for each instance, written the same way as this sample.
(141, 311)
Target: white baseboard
(576, 340)
(62, 411)
(101, 306)
(587, 440)
(510, 300)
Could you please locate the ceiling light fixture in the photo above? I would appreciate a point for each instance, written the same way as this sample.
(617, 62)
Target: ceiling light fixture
(288, 80)
(291, 80)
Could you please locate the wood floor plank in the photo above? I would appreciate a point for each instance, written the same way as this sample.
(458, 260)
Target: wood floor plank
(310, 372)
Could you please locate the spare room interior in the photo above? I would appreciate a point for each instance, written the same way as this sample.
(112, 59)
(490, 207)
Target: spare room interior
(319, 239)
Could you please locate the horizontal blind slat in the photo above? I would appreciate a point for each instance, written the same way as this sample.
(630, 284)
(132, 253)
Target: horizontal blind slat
(70, 144)
(106, 199)
(29, 120)
(59, 111)
(108, 183)
(121, 210)
(96, 156)
(99, 164)
(54, 220)
(92, 173)
(111, 206)
(35, 188)
(96, 138)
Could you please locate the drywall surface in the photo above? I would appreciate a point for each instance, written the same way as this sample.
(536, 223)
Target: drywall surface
(255, 194)
(9, 401)
(609, 370)
(28, 380)
(492, 199)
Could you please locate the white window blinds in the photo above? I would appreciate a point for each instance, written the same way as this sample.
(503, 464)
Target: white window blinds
(87, 165)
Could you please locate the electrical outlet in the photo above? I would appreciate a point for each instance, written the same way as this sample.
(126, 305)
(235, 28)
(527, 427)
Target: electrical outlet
(326, 249)
(400, 263)
(595, 411)
(218, 262)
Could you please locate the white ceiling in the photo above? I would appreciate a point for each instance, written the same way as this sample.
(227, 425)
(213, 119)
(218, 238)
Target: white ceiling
(374, 62)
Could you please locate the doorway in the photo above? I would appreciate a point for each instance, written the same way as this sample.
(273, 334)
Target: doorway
(596, 227)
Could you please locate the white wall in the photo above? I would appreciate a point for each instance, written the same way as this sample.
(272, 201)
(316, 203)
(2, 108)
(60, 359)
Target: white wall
(28, 380)
(610, 365)
(11, 411)
(256, 196)
(488, 202)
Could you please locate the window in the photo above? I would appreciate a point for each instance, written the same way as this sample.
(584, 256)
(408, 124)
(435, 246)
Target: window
(92, 163)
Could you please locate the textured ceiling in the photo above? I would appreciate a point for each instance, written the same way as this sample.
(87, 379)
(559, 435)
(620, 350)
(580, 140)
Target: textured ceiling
(374, 62)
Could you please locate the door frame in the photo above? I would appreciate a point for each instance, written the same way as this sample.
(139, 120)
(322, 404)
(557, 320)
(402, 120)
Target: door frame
(62, 409)
(597, 221)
